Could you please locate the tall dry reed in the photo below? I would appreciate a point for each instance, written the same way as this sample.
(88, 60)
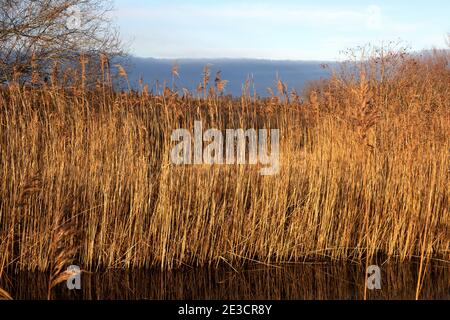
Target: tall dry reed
(364, 171)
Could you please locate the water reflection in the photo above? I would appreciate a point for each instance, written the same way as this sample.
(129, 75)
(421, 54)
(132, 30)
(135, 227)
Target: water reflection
(306, 281)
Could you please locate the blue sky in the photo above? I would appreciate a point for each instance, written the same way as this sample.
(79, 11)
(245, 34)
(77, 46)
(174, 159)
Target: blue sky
(283, 29)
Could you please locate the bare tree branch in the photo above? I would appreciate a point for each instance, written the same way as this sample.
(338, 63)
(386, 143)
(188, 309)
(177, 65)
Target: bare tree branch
(49, 30)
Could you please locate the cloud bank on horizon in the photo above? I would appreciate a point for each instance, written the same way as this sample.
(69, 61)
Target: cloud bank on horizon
(286, 29)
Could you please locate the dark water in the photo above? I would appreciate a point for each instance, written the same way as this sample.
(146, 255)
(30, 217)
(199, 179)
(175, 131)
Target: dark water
(236, 71)
(306, 281)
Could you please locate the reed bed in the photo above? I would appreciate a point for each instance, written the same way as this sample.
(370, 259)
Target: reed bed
(364, 171)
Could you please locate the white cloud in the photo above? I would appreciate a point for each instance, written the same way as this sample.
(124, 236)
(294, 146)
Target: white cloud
(315, 16)
(261, 30)
(370, 18)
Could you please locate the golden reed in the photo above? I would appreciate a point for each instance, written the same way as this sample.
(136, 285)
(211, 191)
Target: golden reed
(364, 170)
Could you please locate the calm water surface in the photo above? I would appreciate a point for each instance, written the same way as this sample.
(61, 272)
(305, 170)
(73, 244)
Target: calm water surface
(305, 281)
(236, 71)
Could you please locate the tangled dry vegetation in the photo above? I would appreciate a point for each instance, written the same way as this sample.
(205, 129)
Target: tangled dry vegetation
(364, 156)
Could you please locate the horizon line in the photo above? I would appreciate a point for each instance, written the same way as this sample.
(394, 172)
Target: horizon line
(232, 58)
(413, 52)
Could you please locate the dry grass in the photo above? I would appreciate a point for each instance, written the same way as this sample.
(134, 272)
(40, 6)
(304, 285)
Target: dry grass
(364, 171)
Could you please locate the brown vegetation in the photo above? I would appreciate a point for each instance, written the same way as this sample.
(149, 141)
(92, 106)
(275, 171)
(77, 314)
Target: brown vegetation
(364, 171)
